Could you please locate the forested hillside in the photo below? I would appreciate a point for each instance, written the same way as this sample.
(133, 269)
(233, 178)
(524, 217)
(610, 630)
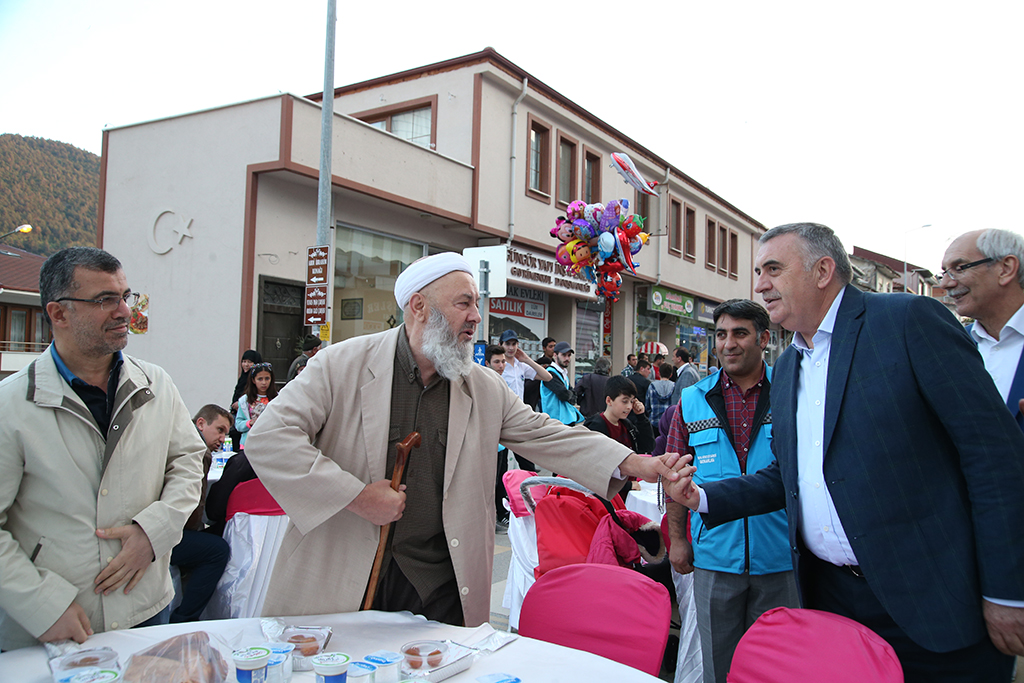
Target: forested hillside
(52, 186)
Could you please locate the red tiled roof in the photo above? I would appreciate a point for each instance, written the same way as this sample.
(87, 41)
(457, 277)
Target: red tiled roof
(21, 273)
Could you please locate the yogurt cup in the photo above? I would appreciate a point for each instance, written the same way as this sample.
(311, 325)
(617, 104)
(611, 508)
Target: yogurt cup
(285, 649)
(251, 664)
(387, 664)
(96, 676)
(362, 672)
(275, 668)
(331, 667)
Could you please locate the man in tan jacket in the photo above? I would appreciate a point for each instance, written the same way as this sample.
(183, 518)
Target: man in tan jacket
(325, 449)
(99, 468)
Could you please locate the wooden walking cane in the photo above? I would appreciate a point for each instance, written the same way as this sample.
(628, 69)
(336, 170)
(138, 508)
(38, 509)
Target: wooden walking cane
(401, 458)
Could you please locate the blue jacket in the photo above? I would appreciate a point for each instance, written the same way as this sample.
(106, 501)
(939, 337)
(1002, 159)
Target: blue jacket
(556, 408)
(758, 544)
(1016, 388)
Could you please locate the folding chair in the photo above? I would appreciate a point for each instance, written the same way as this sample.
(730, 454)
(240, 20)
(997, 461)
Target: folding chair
(811, 646)
(554, 612)
(256, 526)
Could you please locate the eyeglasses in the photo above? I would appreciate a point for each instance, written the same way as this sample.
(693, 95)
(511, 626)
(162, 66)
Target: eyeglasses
(952, 273)
(107, 303)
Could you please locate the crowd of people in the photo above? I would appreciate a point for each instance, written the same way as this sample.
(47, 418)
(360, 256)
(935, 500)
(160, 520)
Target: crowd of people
(875, 471)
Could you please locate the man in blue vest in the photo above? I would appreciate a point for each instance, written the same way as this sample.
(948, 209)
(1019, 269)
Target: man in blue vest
(984, 276)
(556, 398)
(743, 568)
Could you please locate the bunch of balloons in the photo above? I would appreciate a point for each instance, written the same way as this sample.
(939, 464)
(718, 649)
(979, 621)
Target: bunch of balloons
(600, 241)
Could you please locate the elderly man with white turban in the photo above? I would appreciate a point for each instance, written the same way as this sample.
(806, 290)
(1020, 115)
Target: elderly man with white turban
(325, 448)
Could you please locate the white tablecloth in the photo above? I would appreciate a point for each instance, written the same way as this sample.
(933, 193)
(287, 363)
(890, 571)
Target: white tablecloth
(644, 501)
(358, 634)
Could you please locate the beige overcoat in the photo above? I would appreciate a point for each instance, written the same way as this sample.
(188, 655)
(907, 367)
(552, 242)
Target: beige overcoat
(326, 436)
(60, 480)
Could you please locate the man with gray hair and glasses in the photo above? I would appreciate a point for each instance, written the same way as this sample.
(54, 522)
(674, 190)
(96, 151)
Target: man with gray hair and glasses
(100, 467)
(897, 462)
(983, 272)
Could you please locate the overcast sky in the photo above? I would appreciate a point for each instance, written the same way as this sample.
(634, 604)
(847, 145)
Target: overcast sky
(873, 117)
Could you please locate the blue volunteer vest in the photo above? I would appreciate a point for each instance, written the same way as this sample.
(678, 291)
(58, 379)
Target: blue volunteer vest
(555, 408)
(764, 538)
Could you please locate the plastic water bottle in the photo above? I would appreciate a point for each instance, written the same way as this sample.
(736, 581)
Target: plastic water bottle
(227, 447)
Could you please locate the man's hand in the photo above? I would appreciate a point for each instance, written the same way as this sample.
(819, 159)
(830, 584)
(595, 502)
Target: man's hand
(1005, 627)
(72, 625)
(130, 564)
(683, 491)
(681, 555)
(669, 467)
(379, 503)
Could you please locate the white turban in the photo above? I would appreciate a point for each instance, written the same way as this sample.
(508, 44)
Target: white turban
(424, 271)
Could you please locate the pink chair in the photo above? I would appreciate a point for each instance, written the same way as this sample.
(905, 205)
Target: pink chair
(252, 497)
(581, 606)
(810, 646)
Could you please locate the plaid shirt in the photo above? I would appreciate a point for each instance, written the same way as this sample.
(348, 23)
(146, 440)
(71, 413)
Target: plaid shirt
(739, 411)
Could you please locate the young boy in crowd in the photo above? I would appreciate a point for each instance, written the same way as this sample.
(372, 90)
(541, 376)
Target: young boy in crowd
(623, 419)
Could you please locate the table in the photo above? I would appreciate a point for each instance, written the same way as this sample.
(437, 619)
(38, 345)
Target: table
(358, 634)
(645, 501)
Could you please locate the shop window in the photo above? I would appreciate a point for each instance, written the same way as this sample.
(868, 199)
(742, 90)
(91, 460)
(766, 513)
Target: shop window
(709, 247)
(413, 120)
(592, 177)
(689, 233)
(538, 168)
(588, 336)
(734, 255)
(365, 269)
(723, 249)
(675, 229)
(566, 170)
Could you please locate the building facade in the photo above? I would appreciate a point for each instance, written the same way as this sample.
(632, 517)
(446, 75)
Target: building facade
(212, 213)
(24, 333)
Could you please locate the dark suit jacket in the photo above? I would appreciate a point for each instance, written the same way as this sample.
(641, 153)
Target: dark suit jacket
(1016, 390)
(923, 461)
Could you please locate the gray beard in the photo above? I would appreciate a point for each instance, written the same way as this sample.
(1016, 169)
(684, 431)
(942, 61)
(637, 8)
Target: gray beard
(450, 357)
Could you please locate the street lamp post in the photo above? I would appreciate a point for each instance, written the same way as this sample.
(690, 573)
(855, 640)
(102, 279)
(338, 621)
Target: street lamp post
(926, 225)
(20, 228)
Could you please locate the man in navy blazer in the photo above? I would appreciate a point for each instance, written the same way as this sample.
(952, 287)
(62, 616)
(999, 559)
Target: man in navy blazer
(900, 468)
(984, 277)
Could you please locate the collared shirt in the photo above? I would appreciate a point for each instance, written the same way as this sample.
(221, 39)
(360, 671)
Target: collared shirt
(740, 407)
(100, 403)
(1003, 356)
(516, 373)
(822, 531)
(418, 541)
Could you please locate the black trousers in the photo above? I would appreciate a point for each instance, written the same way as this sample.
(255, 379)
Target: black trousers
(834, 589)
(395, 593)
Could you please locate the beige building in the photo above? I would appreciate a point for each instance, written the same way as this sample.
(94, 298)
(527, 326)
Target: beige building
(212, 213)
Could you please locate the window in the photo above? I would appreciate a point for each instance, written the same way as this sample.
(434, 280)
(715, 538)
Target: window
(709, 248)
(591, 177)
(19, 329)
(734, 255)
(41, 332)
(675, 229)
(643, 208)
(689, 233)
(566, 170)
(723, 249)
(538, 168)
(413, 120)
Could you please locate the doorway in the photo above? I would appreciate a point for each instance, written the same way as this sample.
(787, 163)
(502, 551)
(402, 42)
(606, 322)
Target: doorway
(279, 328)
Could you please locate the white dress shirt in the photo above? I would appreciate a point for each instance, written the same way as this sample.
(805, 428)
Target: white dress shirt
(516, 373)
(820, 527)
(1002, 357)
